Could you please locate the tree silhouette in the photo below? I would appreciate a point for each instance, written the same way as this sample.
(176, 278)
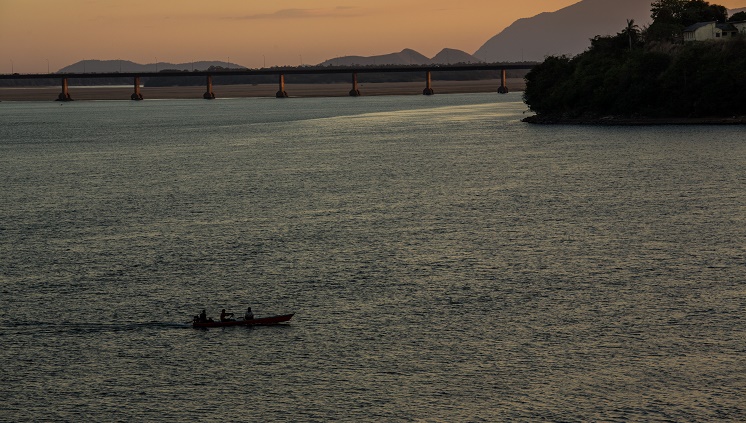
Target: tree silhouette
(738, 17)
(670, 17)
(632, 31)
(681, 80)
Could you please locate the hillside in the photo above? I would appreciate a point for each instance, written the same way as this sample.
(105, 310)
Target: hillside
(404, 57)
(99, 66)
(654, 79)
(449, 56)
(566, 31)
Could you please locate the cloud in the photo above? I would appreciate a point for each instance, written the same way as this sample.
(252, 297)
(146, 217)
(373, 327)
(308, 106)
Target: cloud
(284, 14)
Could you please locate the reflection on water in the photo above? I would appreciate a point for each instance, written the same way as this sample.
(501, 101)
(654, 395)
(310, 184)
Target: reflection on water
(445, 262)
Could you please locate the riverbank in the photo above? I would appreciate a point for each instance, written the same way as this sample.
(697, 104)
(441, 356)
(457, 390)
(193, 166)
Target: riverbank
(260, 90)
(633, 121)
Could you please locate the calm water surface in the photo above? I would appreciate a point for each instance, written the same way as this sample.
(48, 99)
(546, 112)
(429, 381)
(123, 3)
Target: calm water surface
(445, 262)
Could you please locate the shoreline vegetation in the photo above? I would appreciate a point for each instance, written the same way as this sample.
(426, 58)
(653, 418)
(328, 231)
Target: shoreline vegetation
(633, 120)
(48, 93)
(646, 77)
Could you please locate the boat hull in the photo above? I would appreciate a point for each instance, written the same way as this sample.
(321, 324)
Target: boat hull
(262, 321)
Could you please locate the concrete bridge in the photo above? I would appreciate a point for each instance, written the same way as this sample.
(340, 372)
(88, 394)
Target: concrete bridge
(280, 73)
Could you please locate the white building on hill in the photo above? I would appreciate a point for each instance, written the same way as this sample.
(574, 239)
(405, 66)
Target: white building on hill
(703, 31)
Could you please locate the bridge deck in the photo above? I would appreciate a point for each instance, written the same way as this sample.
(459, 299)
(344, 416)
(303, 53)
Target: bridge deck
(280, 71)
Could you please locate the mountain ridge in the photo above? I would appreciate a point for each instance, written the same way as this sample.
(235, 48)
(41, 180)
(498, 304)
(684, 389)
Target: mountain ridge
(565, 31)
(404, 57)
(108, 66)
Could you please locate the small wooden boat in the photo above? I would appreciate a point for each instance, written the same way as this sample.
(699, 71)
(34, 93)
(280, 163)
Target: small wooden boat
(259, 321)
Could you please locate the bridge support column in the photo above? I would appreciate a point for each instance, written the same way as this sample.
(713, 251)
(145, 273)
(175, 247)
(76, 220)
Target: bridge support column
(429, 84)
(209, 95)
(503, 83)
(281, 93)
(65, 94)
(354, 92)
(137, 95)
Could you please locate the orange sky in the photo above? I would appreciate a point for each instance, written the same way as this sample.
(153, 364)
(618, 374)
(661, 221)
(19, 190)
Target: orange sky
(35, 34)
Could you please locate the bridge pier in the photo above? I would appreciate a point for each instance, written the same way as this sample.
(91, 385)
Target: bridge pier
(429, 84)
(503, 82)
(65, 94)
(281, 93)
(137, 95)
(209, 95)
(354, 92)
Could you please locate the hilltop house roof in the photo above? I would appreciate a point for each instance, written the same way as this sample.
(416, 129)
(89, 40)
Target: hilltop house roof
(728, 26)
(696, 26)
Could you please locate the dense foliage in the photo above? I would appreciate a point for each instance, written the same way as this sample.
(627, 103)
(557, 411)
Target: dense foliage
(738, 17)
(670, 17)
(631, 75)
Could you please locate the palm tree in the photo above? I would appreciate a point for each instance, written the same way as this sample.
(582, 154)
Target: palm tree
(632, 31)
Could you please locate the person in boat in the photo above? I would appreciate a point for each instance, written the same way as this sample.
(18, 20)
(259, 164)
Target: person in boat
(224, 316)
(203, 316)
(249, 315)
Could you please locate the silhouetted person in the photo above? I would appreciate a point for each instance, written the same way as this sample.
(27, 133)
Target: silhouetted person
(249, 314)
(224, 316)
(203, 316)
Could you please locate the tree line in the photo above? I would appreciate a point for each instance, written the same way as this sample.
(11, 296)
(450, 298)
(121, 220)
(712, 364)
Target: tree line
(647, 72)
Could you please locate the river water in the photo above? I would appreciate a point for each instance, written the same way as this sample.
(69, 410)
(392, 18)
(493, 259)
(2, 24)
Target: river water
(445, 262)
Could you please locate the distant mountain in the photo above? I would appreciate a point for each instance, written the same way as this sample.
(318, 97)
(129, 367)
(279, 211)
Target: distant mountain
(100, 66)
(566, 31)
(404, 57)
(732, 12)
(449, 56)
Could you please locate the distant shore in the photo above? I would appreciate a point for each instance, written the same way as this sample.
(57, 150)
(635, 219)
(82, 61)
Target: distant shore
(634, 121)
(260, 90)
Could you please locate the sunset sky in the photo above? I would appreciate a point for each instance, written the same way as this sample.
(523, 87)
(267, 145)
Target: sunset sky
(36, 34)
